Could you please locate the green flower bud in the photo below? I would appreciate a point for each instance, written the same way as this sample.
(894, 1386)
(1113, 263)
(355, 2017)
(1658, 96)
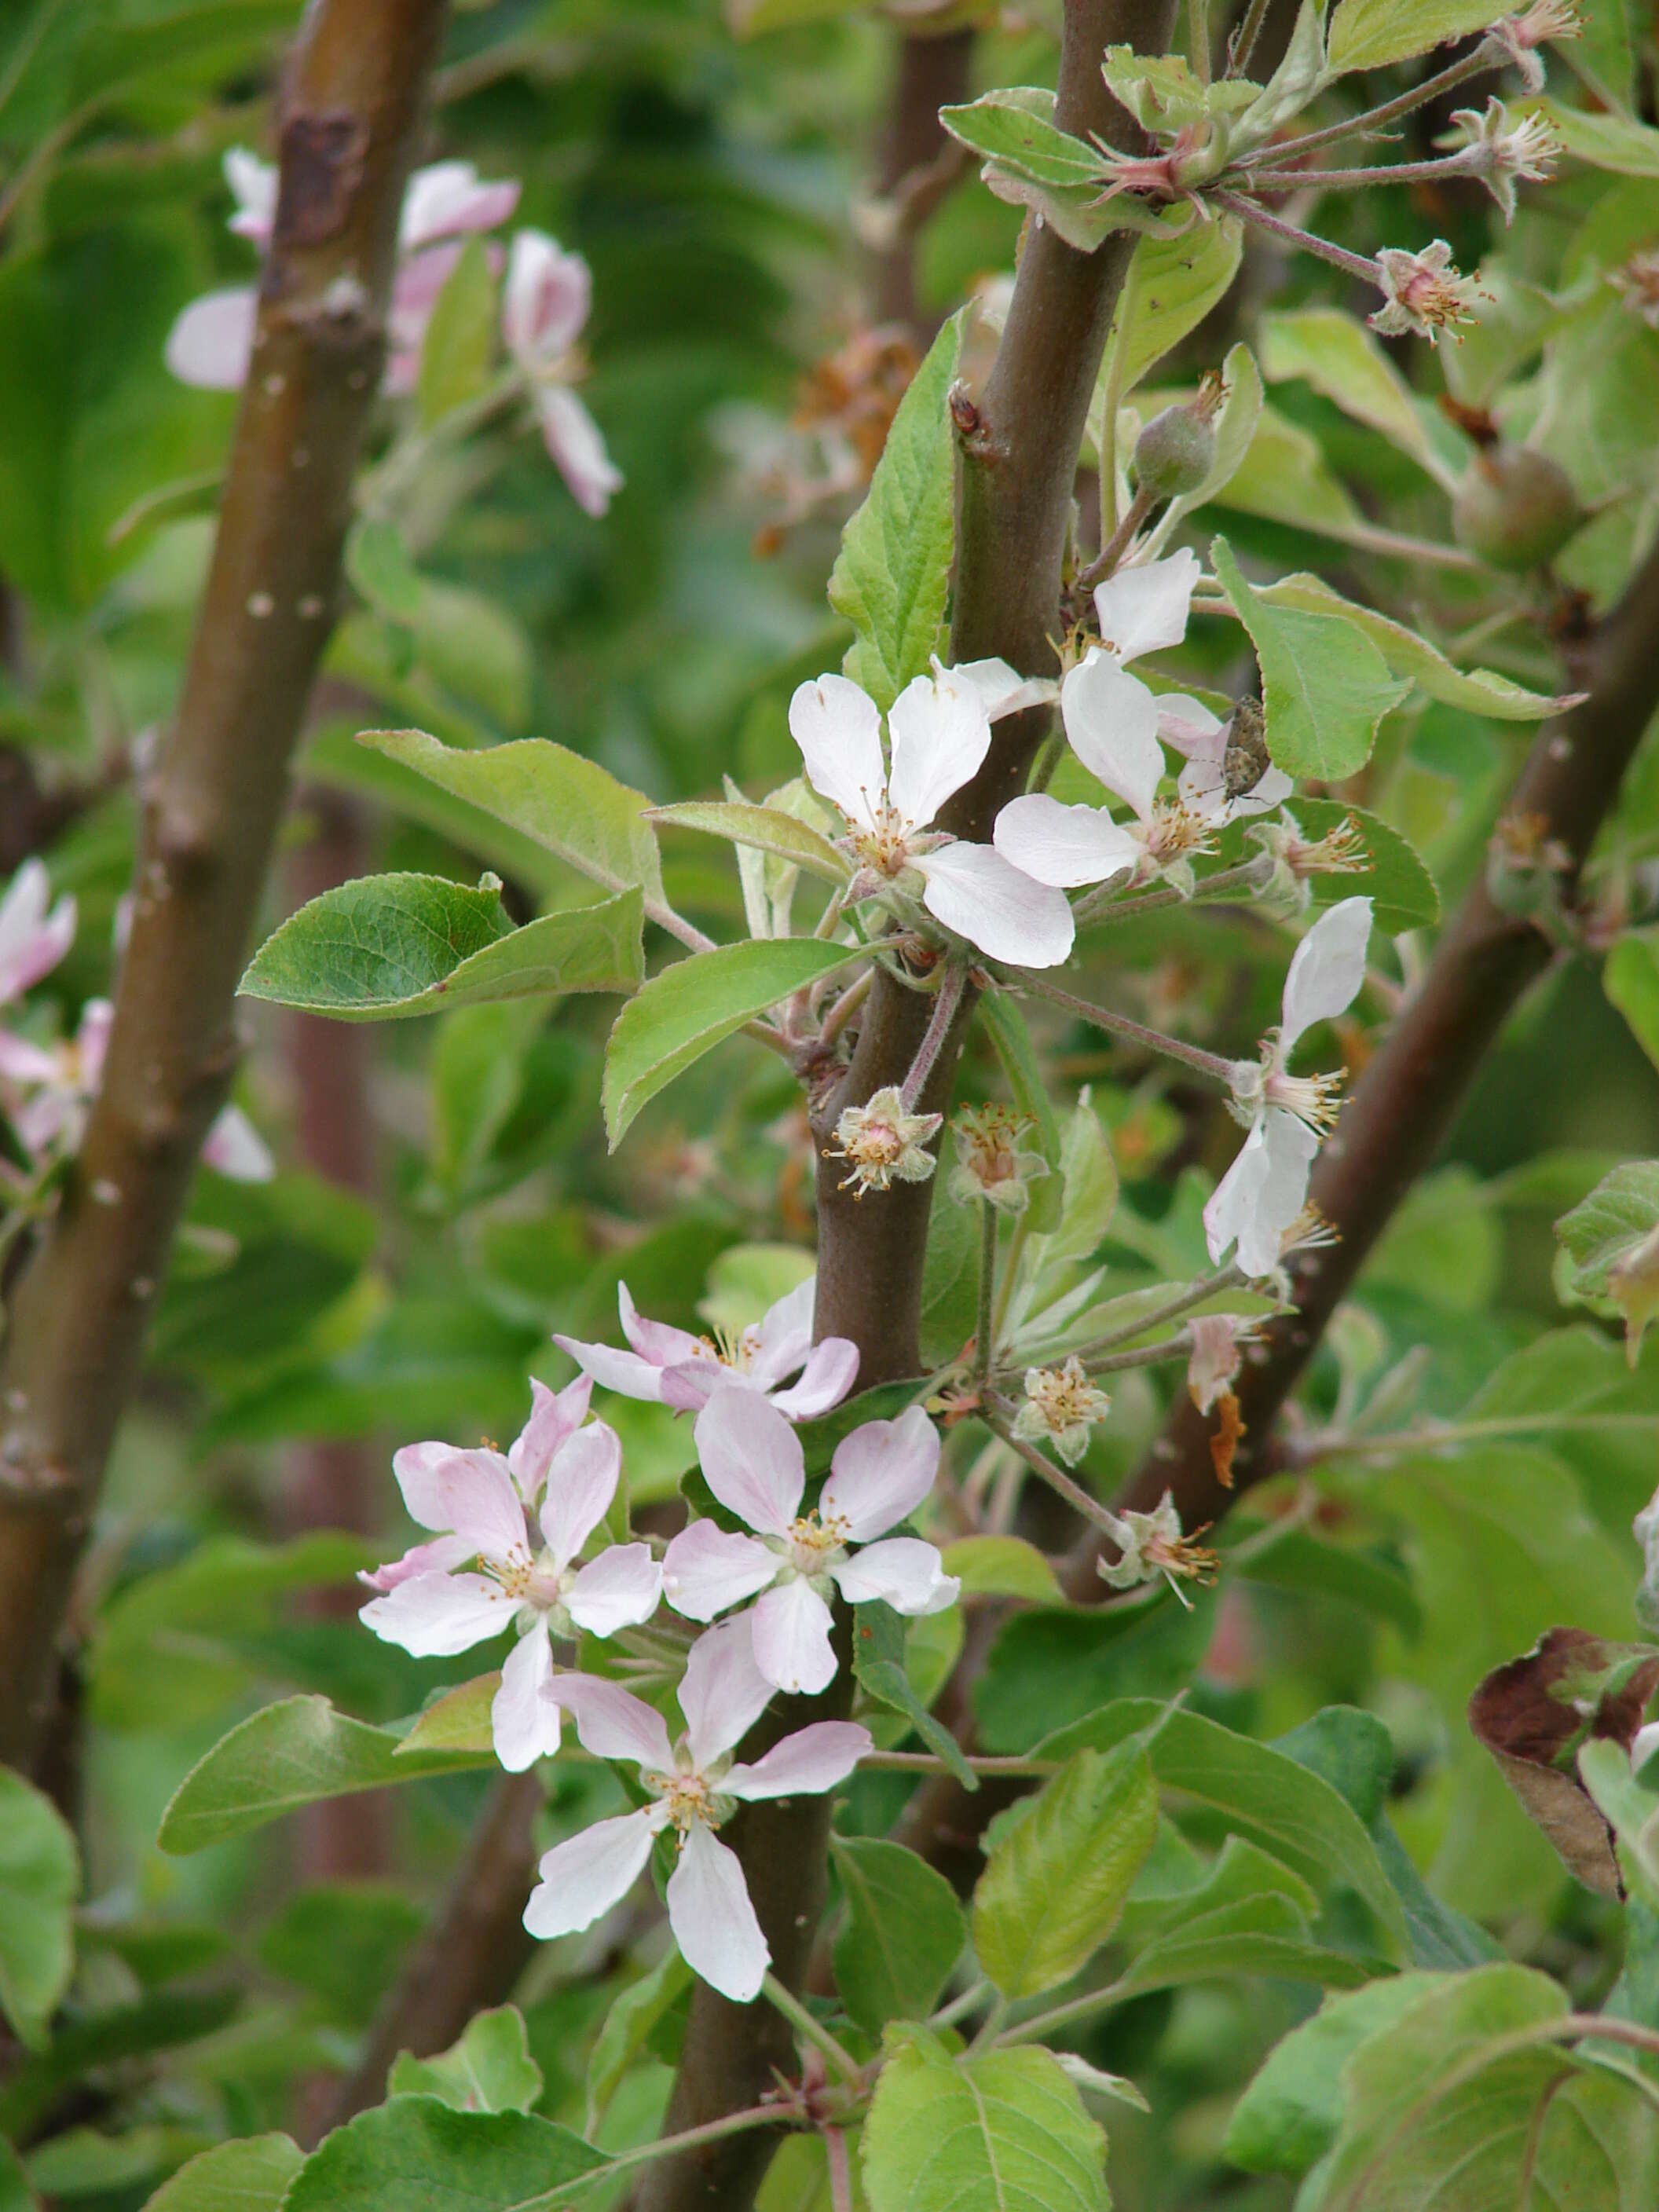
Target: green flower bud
(1175, 452)
(1514, 507)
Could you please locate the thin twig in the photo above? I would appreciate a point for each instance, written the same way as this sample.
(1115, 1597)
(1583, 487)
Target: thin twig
(1309, 241)
(1489, 54)
(812, 2029)
(1212, 1064)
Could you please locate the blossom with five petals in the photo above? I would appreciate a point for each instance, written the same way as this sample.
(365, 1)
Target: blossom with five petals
(549, 294)
(1264, 1191)
(694, 1787)
(751, 1459)
(481, 1502)
(679, 1370)
(939, 731)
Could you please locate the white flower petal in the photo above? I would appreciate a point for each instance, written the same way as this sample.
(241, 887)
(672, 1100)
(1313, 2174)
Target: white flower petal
(254, 185)
(707, 1569)
(235, 1150)
(436, 1557)
(554, 1415)
(1111, 720)
(524, 1720)
(481, 1502)
(793, 1649)
(1143, 609)
(613, 1723)
(211, 343)
(1063, 845)
(752, 1458)
(722, 1692)
(939, 737)
(804, 1765)
(576, 445)
(1189, 725)
(1000, 689)
(713, 1921)
(982, 895)
(1327, 969)
(880, 1473)
(420, 1469)
(831, 1369)
(582, 1878)
(446, 198)
(32, 940)
(784, 1336)
(618, 1590)
(435, 1616)
(1262, 1192)
(838, 729)
(658, 1341)
(580, 1485)
(902, 1571)
(548, 294)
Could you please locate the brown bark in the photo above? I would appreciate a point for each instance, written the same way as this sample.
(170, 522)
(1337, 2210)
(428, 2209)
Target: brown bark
(349, 121)
(918, 159)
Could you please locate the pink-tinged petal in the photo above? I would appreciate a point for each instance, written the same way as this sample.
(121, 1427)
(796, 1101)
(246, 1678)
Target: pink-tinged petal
(415, 291)
(880, 1473)
(939, 737)
(435, 1616)
(1111, 720)
(479, 1500)
(1143, 610)
(576, 445)
(235, 1150)
(524, 1720)
(447, 197)
(713, 1920)
(32, 940)
(23, 1062)
(211, 343)
(689, 1387)
(707, 1569)
(554, 1416)
(902, 1571)
(658, 1342)
(1203, 789)
(784, 1336)
(582, 1878)
(253, 186)
(752, 1458)
(1066, 845)
(580, 1485)
(619, 1590)
(1189, 725)
(1262, 1192)
(1000, 689)
(418, 1467)
(1215, 1359)
(804, 1765)
(793, 1649)
(546, 302)
(722, 1692)
(613, 1723)
(831, 1369)
(625, 1372)
(438, 1557)
(838, 729)
(982, 895)
(1326, 968)
(92, 1042)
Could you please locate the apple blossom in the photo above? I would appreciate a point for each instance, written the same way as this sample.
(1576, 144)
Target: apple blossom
(549, 294)
(1264, 1191)
(939, 731)
(481, 1503)
(1061, 1405)
(1151, 1544)
(752, 1460)
(679, 1370)
(695, 1787)
(1502, 152)
(994, 1160)
(881, 1139)
(1423, 291)
(35, 935)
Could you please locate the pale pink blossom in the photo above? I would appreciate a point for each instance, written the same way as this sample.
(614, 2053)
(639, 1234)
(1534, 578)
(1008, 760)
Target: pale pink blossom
(1264, 1191)
(55, 1084)
(752, 1460)
(695, 1787)
(484, 1505)
(35, 935)
(235, 1150)
(677, 1369)
(939, 731)
(549, 294)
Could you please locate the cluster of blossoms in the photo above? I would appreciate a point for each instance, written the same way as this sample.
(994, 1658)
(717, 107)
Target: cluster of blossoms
(544, 306)
(47, 1086)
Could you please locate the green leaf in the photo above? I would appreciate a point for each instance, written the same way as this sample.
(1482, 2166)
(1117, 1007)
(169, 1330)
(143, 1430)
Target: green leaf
(633, 2018)
(1172, 284)
(1285, 476)
(489, 2068)
(417, 2154)
(1630, 980)
(878, 1664)
(1391, 872)
(39, 1881)
(902, 1934)
(1053, 1887)
(457, 1721)
(687, 1009)
(1629, 1810)
(1002, 1566)
(460, 337)
(1338, 356)
(1616, 142)
(569, 806)
(1015, 128)
(1297, 1561)
(1610, 1242)
(387, 947)
(379, 566)
(251, 2175)
(1325, 686)
(766, 829)
(17, 2196)
(1007, 2130)
(342, 1943)
(84, 2043)
(1248, 1915)
(1368, 35)
(891, 573)
(290, 1754)
(1235, 431)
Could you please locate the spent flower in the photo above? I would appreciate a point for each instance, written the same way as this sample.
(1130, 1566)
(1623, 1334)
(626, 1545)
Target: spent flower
(883, 1139)
(1151, 1544)
(1423, 291)
(994, 1157)
(1061, 1405)
(1521, 35)
(1504, 152)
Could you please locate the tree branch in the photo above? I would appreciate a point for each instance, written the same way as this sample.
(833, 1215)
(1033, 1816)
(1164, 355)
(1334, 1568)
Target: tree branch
(350, 118)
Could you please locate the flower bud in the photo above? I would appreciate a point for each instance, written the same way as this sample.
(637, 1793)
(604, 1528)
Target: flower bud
(1175, 452)
(1514, 507)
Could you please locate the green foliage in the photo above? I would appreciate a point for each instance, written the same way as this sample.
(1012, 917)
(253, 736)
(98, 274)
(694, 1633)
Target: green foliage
(1006, 2129)
(1367, 34)
(251, 2175)
(417, 2154)
(39, 1881)
(488, 2069)
(902, 1934)
(878, 1635)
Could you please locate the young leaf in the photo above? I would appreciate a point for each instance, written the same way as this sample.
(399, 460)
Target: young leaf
(417, 2155)
(460, 337)
(386, 947)
(1006, 2130)
(290, 1754)
(1172, 284)
(902, 1934)
(39, 1881)
(890, 575)
(1325, 686)
(1340, 359)
(1631, 979)
(1248, 1915)
(686, 1010)
(878, 1664)
(1611, 1239)
(457, 1721)
(1053, 1887)
(1015, 128)
(1369, 34)
(489, 2068)
(1002, 1566)
(1631, 1810)
(766, 828)
(633, 2018)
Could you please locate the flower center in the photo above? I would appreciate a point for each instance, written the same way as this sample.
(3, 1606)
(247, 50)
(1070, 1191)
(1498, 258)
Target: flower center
(689, 1800)
(1315, 1099)
(1173, 831)
(813, 1546)
(885, 846)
